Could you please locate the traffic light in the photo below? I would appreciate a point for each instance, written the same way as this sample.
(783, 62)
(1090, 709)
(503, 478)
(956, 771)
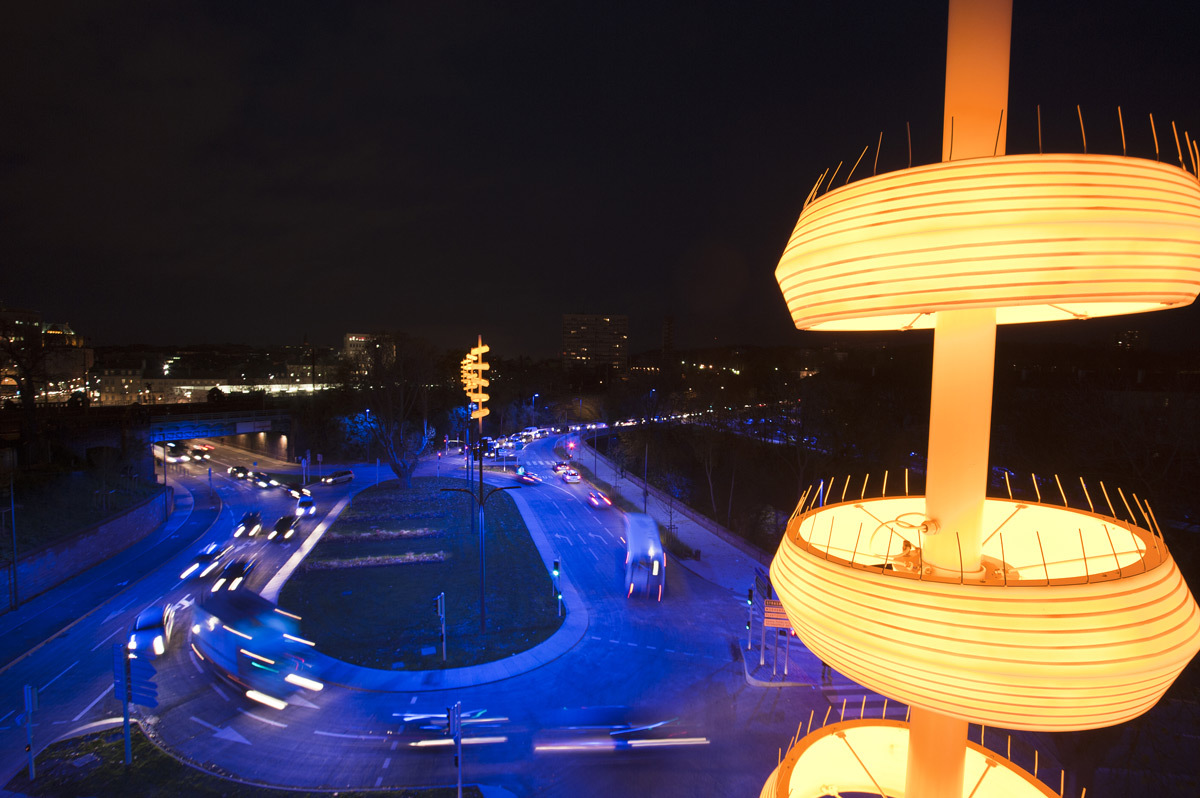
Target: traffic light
(749, 596)
(556, 569)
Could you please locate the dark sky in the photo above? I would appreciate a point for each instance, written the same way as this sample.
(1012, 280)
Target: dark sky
(256, 172)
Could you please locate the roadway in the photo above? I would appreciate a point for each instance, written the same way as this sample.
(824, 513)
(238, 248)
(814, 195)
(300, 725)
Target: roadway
(677, 659)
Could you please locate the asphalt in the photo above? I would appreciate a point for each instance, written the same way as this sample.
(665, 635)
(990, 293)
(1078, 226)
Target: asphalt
(722, 563)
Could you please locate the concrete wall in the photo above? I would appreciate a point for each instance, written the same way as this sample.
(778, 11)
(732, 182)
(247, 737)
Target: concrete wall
(272, 444)
(40, 570)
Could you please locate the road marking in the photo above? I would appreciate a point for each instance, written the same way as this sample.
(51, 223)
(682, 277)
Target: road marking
(617, 642)
(59, 676)
(652, 648)
(394, 744)
(105, 640)
(88, 708)
(208, 726)
(595, 638)
(347, 736)
(220, 692)
(195, 662)
(387, 762)
(414, 700)
(594, 554)
(378, 781)
(669, 650)
(275, 723)
(632, 644)
(6, 717)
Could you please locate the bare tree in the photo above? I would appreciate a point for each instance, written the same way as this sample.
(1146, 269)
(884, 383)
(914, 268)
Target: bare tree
(396, 388)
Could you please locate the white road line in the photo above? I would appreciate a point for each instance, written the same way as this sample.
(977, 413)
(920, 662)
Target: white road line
(6, 717)
(275, 723)
(347, 736)
(59, 676)
(387, 762)
(220, 692)
(394, 744)
(414, 700)
(105, 640)
(669, 650)
(208, 726)
(378, 780)
(632, 644)
(652, 648)
(594, 554)
(617, 642)
(595, 638)
(96, 701)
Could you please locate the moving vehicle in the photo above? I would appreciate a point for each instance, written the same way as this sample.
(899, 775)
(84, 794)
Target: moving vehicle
(570, 476)
(284, 528)
(295, 489)
(152, 631)
(528, 478)
(171, 452)
(560, 467)
(238, 472)
(645, 560)
(306, 506)
(338, 476)
(250, 525)
(234, 574)
(599, 500)
(207, 561)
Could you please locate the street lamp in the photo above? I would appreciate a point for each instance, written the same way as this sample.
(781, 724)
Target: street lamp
(482, 500)
(535, 396)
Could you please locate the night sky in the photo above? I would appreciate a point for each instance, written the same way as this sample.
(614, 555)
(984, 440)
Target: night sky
(256, 172)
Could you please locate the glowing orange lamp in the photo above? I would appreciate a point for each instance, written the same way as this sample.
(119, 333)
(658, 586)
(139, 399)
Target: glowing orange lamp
(966, 608)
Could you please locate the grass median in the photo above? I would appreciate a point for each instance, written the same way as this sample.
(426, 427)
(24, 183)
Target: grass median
(368, 591)
(94, 765)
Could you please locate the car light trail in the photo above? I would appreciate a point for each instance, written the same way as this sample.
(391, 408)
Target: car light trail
(263, 698)
(303, 681)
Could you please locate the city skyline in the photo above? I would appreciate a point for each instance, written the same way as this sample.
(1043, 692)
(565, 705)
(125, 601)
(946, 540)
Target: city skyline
(215, 175)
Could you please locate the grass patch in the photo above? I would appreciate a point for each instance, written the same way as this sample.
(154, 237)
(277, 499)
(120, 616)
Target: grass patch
(94, 765)
(385, 616)
(55, 506)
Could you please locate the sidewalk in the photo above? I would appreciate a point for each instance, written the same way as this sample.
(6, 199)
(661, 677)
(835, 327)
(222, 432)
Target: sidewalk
(25, 629)
(725, 559)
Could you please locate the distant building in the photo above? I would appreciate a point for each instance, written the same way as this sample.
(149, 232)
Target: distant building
(594, 343)
(49, 354)
(364, 350)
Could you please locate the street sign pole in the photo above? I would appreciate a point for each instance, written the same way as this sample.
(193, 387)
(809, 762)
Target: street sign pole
(31, 703)
(441, 610)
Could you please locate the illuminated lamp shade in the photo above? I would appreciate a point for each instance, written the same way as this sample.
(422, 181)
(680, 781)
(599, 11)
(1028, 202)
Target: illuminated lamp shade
(868, 756)
(1037, 237)
(1077, 621)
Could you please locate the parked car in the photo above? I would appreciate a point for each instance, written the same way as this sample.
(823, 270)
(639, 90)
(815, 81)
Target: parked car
(250, 525)
(151, 632)
(338, 476)
(207, 561)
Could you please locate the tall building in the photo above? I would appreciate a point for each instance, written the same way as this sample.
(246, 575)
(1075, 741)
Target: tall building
(595, 343)
(363, 350)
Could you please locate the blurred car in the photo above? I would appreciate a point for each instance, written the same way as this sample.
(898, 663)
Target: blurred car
(560, 467)
(570, 475)
(260, 479)
(234, 574)
(528, 478)
(238, 472)
(198, 454)
(306, 506)
(338, 476)
(295, 489)
(284, 528)
(250, 525)
(152, 631)
(207, 561)
(599, 499)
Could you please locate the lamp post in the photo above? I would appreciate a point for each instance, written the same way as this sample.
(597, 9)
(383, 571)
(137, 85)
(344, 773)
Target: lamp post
(535, 396)
(481, 500)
